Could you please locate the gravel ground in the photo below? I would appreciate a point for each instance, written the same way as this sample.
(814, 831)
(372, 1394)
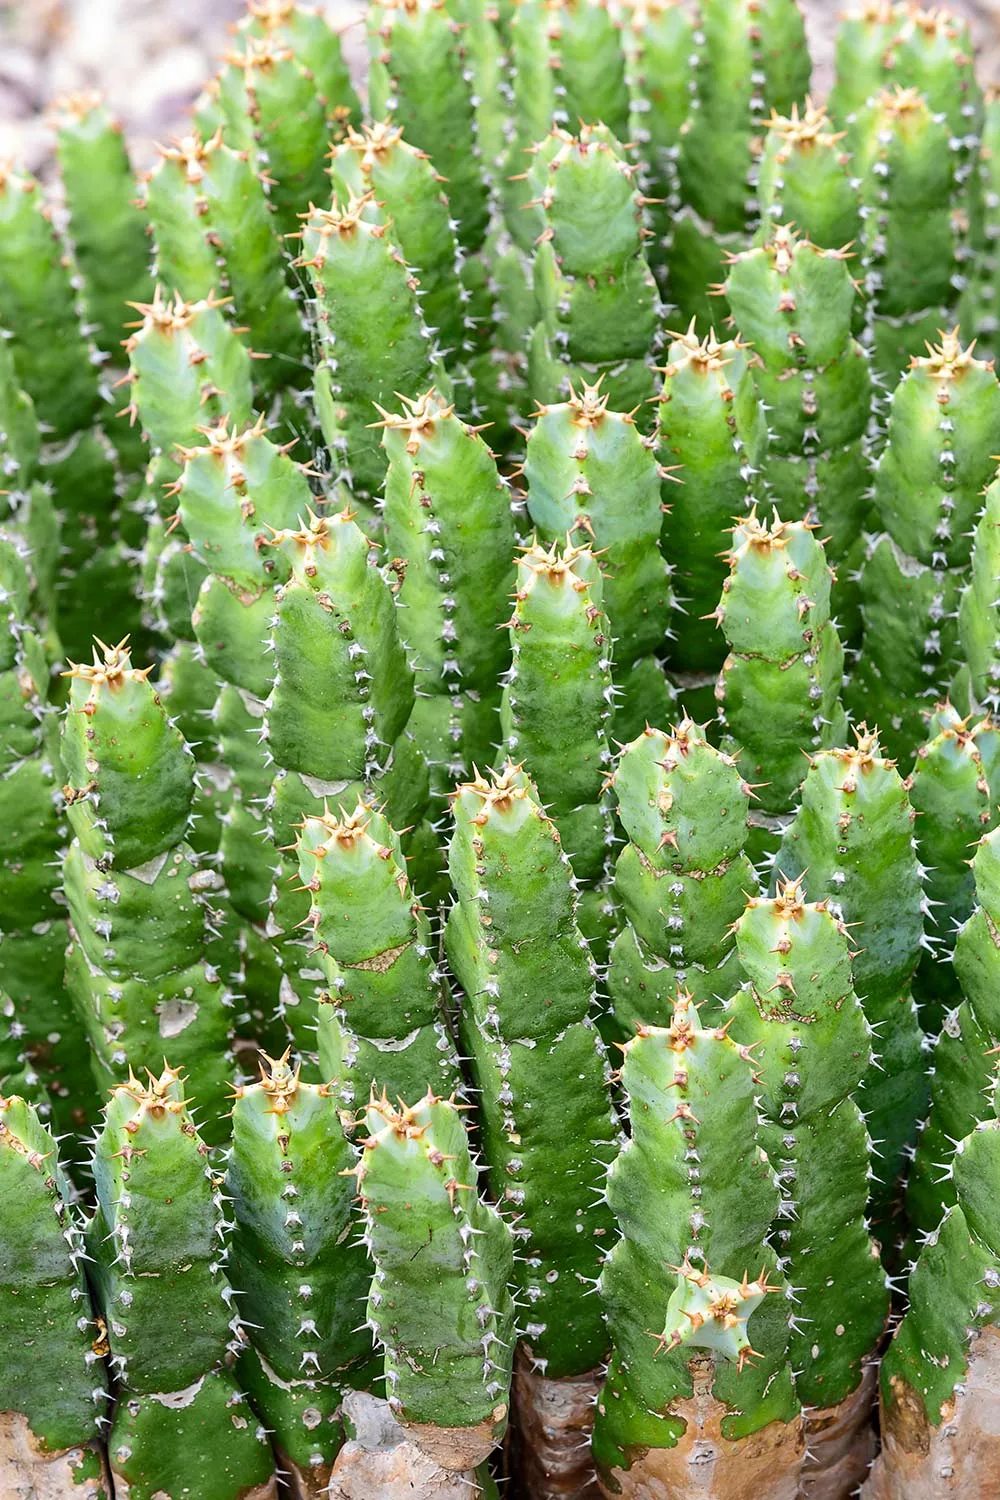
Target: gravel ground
(151, 56)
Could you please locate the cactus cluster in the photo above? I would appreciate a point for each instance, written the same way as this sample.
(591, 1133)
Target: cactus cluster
(499, 953)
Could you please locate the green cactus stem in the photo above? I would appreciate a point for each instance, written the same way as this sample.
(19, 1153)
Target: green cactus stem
(712, 438)
(381, 1020)
(373, 341)
(450, 534)
(158, 1237)
(150, 950)
(214, 233)
(799, 1015)
(567, 66)
(108, 230)
(939, 1367)
(943, 420)
(52, 1389)
(548, 1130)
(597, 306)
(962, 1061)
(862, 45)
(307, 33)
(694, 1197)
(748, 60)
(954, 788)
(978, 678)
(794, 303)
(805, 178)
(852, 844)
(912, 245)
(301, 1277)
(439, 1304)
(32, 917)
(779, 689)
(683, 877)
(558, 697)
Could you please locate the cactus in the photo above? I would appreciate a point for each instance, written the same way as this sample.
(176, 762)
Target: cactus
(677, 1285)
(439, 1304)
(962, 1059)
(748, 60)
(863, 40)
(779, 689)
(147, 964)
(52, 1390)
(943, 420)
(381, 1020)
(954, 788)
(805, 178)
(372, 338)
(936, 1377)
(683, 877)
(301, 1282)
(307, 33)
(159, 1242)
(712, 431)
(596, 299)
(794, 304)
(978, 678)
(108, 231)
(548, 1131)
(214, 233)
(811, 1043)
(852, 844)
(450, 535)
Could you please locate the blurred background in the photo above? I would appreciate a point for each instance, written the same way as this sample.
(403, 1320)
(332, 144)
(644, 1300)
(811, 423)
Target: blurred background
(150, 58)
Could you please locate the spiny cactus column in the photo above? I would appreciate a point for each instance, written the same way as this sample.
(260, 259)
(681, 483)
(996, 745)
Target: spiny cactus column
(795, 303)
(779, 689)
(158, 1237)
(557, 699)
(590, 470)
(150, 954)
(596, 301)
(335, 718)
(912, 246)
(32, 918)
(52, 1385)
(954, 788)
(381, 1022)
(682, 879)
(301, 1275)
(567, 66)
(308, 34)
(749, 59)
(697, 1319)
(108, 230)
(944, 422)
(450, 537)
(988, 277)
(439, 1303)
(977, 681)
(214, 232)
(548, 1131)
(658, 41)
(373, 341)
(852, 844)
(712, 435)
(799, 1015)
(962, 1061)
(938, 1376)
(805, 178)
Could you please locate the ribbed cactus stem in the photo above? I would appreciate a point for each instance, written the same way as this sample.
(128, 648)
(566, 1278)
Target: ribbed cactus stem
(381, 1021)
(694, 1196)
(852, 843)
(979, 608)
(439, 1303)
(712, 441)
(159, 1240)
(52, 1385)
(779, 689)
(309, 35)
(805, 178)
(301, 1274)
(682, 878)
(799, 1015)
